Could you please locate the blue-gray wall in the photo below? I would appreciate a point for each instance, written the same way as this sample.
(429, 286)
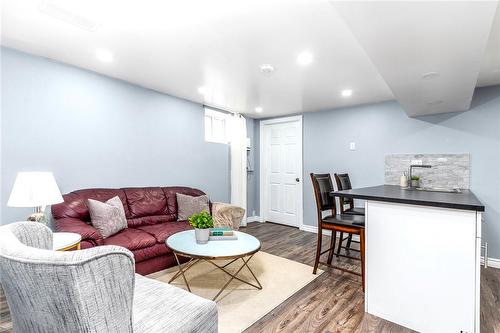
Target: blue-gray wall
(94, 131)
(383, 128)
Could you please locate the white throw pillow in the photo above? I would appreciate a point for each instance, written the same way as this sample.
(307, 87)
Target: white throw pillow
(107, 217)
(188, 205)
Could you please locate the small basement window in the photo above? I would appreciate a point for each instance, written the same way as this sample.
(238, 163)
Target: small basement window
(216, 126)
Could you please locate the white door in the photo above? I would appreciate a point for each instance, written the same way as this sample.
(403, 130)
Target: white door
(281, 170)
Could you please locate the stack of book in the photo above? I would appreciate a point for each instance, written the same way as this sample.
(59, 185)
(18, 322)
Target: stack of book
(222, 234)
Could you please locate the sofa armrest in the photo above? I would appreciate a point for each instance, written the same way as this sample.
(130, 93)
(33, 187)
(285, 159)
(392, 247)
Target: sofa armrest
(87, 231)
(30, 234)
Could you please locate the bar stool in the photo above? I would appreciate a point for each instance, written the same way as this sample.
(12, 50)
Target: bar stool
(344, 183)
(352, 224)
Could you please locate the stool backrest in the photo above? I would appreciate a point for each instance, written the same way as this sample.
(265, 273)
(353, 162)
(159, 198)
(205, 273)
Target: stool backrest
(323, 185)
(344, 183)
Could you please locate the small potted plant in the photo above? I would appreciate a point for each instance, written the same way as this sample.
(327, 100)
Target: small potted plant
(415, 181)
(201, 223)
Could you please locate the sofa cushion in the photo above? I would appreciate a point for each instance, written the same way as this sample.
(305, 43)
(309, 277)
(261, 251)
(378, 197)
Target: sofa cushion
(131, 239)
(107, 217)
(148, 220)
(75, 203)
(161, 231)
(150, 252)
(146, 201)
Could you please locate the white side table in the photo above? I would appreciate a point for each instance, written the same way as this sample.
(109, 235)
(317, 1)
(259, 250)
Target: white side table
(66, 241)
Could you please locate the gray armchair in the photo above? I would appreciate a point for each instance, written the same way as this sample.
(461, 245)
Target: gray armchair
(93, 290)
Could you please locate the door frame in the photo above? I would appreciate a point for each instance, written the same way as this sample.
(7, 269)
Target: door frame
(263, 194)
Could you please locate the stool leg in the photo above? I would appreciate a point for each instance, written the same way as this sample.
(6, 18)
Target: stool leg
(349, 240)
(333, 240)
(362, 249)
(340, 242)
(318, 248)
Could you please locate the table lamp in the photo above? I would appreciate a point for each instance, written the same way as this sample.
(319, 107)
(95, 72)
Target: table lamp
(35, 189)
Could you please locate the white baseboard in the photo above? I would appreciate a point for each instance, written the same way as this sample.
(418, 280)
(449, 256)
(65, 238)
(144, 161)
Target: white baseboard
(492, 262)
(254, 219)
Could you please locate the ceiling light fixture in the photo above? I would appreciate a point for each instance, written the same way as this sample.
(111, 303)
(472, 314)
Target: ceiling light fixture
(430, 75)
(346, 93)
(266, 68)
(259, 109)
(104, 55)
(202, 90)
(305, 58)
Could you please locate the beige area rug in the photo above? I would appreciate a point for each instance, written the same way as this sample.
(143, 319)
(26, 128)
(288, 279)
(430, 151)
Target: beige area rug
(241, 305)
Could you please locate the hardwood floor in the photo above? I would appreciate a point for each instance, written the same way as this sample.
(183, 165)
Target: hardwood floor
(334, 301)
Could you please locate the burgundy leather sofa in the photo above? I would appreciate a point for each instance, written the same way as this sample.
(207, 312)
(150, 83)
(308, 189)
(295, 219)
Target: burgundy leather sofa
(151, 214)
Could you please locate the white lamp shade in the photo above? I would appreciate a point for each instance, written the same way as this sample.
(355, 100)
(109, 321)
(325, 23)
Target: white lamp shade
(32, 189)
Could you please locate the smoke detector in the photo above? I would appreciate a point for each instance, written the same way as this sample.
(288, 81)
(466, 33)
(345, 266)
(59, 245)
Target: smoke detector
(430, 75)
(266, 68)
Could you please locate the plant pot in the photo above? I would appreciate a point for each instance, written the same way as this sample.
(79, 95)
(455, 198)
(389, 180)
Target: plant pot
(414, 183)
(201, 235)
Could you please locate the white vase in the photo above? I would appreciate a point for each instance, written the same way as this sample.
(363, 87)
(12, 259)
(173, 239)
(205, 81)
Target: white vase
(201, 235)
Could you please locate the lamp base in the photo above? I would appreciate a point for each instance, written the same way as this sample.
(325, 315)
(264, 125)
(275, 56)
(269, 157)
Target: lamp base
(38, 217)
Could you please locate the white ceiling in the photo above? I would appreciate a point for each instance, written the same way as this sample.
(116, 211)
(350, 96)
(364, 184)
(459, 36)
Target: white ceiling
(428, 53)
(178, 46)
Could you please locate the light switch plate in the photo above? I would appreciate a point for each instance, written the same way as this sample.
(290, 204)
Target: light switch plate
(352, 146)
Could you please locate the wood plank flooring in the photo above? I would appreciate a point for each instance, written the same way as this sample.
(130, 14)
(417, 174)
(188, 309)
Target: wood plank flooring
(334, 301)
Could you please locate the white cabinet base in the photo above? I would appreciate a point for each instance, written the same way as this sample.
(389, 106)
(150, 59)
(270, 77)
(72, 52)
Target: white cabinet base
(422, 266)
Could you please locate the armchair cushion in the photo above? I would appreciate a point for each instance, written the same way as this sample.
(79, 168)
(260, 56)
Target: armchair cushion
(160, 307)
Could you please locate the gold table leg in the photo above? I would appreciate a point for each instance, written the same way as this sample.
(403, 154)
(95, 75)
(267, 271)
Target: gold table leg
(234, 276)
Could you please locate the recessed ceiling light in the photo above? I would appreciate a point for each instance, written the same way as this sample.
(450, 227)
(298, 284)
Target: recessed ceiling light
(202, 90)
(346, 92)
(259, 109)
(104, 55)
(266, 68)
(430, 75)
(305, 58)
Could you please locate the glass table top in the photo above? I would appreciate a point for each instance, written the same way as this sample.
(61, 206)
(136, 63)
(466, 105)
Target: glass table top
(185, 242)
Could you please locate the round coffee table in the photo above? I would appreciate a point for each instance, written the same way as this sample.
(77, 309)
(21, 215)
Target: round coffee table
(184, 244)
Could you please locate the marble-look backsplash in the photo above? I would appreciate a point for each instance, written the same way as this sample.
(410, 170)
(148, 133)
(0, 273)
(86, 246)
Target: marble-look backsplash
(448, 170)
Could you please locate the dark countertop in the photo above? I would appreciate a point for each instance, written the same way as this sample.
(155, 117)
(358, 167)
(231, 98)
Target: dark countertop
(465, 200)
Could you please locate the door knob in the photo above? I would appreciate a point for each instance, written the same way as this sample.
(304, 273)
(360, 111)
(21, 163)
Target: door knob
(297, 180)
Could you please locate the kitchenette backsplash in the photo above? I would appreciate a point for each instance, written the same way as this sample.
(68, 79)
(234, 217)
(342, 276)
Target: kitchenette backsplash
(448, 170)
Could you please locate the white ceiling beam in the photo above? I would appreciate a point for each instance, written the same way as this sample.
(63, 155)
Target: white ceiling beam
(429, 53)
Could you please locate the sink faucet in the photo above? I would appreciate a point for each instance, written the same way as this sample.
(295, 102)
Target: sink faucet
(416, 166)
